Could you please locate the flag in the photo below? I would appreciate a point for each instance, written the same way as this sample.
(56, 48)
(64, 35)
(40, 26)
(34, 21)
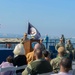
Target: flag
(33, 31)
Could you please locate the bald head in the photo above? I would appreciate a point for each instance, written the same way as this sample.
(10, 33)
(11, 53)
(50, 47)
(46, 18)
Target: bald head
(37, 46)
(38, 54)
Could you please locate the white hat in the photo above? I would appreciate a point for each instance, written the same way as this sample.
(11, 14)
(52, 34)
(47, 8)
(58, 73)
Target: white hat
(19, 49)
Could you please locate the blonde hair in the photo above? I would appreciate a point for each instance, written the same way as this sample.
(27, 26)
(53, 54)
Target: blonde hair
(61, 50)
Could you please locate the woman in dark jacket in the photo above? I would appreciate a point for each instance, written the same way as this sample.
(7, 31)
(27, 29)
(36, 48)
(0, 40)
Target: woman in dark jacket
(19, 58)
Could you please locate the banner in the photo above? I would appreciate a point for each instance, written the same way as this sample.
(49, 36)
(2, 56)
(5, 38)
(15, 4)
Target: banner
(33, 31)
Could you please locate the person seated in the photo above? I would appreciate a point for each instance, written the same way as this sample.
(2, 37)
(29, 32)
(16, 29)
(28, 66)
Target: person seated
(30, 56)
(19, 58)
(55, 62)
(38, 66)
(47, 55)
(61, 43)
(8, 63)
(65, 67)
(70, 49)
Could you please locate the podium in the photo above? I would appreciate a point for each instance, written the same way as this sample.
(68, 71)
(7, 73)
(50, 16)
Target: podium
(28, 45)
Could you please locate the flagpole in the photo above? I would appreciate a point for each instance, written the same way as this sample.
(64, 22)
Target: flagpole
(28, 28)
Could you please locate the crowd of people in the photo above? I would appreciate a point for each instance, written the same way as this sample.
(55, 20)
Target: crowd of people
(69, 49)
(38, 61)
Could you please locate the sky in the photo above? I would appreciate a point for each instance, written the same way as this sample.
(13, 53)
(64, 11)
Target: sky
(52, 17)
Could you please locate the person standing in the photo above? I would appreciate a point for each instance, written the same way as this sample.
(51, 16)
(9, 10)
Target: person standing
(62, 37)
(47, 40)
(25, 37)
(42, 45)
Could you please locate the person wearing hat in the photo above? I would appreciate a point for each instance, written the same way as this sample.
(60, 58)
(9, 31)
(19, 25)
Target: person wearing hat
(59, 44)
(25, 37)
(55, 62)
(19, 56)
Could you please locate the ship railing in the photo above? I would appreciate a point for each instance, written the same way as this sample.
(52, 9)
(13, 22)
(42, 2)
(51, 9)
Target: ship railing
(14, 69)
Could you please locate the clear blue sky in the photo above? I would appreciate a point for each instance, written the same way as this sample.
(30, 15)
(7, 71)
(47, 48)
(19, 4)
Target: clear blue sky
(52, 17)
